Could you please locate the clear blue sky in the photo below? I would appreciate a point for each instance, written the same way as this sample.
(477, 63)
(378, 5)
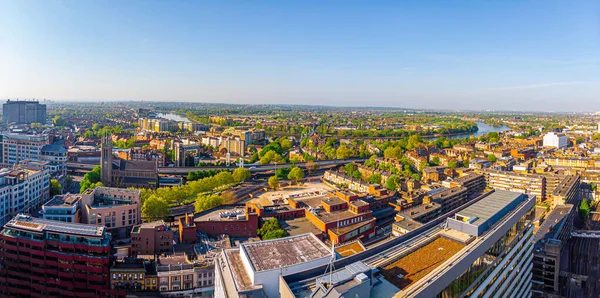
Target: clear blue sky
(504, 55)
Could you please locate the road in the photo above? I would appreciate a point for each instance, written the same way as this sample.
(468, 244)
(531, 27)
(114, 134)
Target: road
(252, 168)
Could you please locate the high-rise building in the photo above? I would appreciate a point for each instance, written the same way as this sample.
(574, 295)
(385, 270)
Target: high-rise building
(24, 112)
(556, 140)
(46, 258)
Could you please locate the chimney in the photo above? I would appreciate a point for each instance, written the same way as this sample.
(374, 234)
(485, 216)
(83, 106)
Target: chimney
(187, 219)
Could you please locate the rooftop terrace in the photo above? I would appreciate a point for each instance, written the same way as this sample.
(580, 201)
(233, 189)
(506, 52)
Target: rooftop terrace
(28, 223)
(414, 266)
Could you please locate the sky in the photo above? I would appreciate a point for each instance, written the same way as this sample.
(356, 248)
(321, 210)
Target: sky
(498, 55)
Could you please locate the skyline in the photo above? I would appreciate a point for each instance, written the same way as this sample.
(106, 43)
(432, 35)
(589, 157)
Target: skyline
(454, 56)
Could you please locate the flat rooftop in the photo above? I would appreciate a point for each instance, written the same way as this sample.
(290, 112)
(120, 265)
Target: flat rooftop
(32, 224)
(66, 201)
(284, 252)
(328, 217)
(299, 226)
(565, 186)
(482, 211)
(419, 210)
(349, 249)
(241, 277)
(552, 222)
(414, 266)
(222, 213)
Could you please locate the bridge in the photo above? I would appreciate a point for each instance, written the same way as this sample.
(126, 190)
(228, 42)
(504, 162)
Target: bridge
(73, 166)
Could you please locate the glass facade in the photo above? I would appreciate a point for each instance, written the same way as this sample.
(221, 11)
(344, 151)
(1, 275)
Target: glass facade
(481, 268)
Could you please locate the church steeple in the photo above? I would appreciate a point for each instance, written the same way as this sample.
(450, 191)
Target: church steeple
(106, 158)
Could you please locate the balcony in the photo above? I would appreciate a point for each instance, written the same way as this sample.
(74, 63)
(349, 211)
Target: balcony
(9, 246)
(51, 264)
(36, 252)
(97, 269)
(80, 267)
(65, 275)
(38, 270)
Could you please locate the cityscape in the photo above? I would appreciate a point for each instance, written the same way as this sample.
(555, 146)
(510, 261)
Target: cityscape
(299, 149)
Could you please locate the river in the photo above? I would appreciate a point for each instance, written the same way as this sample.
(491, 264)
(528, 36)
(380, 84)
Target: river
(174, 117)
(483, 129)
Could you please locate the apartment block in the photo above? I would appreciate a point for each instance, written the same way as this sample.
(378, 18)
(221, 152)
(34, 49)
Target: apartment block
(115, 208)
(151, 238)
(22, 190)
(517, 182)
(46, 258)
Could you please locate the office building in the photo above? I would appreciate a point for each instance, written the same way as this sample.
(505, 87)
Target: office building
(484, 250)
(46, 258)
(253, 269)
(65, 208)
(556, 140)
(23, 112)
(117, 209)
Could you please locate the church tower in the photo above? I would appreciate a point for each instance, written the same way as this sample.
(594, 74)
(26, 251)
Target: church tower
(106, 160)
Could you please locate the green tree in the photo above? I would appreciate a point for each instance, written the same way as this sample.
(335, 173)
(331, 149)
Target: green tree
(350, 168)
(282, 173)
(391, 182)
(375, 178)
(296, 174)
(273, 182)
(90, 179)
(584, 209)
(55, 188)
(344, 152)
(492, 158)
(285, 144)
(155, 208)
(452, 164)
(241, 174)
(205, 202)
(357, 174)
(271, 230)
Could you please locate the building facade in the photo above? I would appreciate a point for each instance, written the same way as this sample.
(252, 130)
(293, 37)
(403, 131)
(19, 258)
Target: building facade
(556, 140)
(22, 190)
(23, 112)
(115, 208)
(151, 238)
(44, 258)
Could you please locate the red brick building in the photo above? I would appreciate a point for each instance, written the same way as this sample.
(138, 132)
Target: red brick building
(46, 258)
(232, 220)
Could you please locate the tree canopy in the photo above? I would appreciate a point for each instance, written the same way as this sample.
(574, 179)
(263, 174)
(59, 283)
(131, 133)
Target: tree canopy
(155, 208)
(273, 182)
(296, 174)
(271, 230)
